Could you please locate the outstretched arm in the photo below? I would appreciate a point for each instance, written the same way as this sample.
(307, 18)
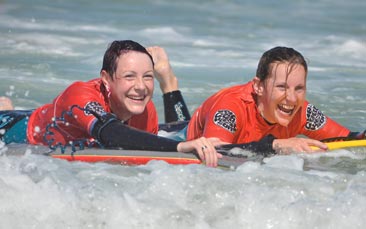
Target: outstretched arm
(351, 136)
(270, 145)
(112, 133)
(263, 147)
(307, 145)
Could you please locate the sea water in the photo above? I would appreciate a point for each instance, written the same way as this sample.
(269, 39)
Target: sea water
(46, 45)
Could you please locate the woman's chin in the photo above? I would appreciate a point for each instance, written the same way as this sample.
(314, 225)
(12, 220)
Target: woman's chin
(283, 122)
(136, 110)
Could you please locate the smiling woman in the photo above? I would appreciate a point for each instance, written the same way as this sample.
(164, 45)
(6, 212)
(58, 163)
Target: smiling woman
(286, 87)
(131, 86)
(271, 108)
(115, 109)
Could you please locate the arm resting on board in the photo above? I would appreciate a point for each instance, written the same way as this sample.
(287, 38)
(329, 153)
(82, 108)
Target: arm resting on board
(262, 147)
(351, 136)
(114, 134)
(357, 135)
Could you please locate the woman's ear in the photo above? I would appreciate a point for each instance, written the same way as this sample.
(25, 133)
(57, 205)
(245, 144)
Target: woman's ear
(258, 86)
(105, 78)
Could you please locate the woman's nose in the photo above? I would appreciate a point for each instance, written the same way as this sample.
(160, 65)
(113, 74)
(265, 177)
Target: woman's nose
(290, 95)
(140, 84)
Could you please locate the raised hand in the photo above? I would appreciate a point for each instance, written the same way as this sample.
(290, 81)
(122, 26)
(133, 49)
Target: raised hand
(163, 71)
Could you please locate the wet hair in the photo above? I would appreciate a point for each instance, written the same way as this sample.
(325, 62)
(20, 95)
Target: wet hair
(118, 48)
(279, 55)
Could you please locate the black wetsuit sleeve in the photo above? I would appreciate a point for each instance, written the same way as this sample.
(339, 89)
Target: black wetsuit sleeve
(351, 136)
(262, 147)
(8, 118)
(112, 133)
(175, 109)
(357, 135)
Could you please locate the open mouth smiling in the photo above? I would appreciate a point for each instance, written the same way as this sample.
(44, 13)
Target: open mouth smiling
(136, 98)
(288, 109)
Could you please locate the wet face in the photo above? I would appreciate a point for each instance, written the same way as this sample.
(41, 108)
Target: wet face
(133, 84)
(282, 94)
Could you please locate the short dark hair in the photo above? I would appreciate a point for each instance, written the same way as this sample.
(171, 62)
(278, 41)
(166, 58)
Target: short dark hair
(116, 49)
(280, 55)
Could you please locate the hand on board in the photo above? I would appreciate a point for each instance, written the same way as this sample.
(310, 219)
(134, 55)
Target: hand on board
(205, 148)
(298, 145)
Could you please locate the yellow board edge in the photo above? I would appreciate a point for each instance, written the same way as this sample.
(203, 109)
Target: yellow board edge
(344, 144)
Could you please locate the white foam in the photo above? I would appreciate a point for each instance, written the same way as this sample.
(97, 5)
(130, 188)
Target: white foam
(161, 195)
(53, 25)
(353, 48)
(335, 154)
(47, 44)
(285, 162)
(164, 34)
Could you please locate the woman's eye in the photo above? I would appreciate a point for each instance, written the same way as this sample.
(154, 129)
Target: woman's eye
(148, 77)
(300, 88)
(124, 76)
(281, 86)
(129, 76)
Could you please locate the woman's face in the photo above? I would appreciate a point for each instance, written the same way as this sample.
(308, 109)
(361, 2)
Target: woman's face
(133, 84)
(283, 93)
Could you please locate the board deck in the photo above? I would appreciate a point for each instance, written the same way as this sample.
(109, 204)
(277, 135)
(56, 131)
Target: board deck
(123, 157)
(141, 157)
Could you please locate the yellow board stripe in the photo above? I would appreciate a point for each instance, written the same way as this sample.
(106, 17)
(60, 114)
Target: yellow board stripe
(344, 144)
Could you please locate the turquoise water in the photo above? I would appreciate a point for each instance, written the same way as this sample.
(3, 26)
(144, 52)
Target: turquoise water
(46, 45)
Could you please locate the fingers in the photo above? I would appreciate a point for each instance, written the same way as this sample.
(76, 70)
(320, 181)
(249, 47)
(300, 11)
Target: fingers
(205, 149)
(310, 145)
(5, 103)
(157, 53)
(298, 145)
(217, 141)
(163, 71)
(316, 146)
(207, 152)
(151, 49)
